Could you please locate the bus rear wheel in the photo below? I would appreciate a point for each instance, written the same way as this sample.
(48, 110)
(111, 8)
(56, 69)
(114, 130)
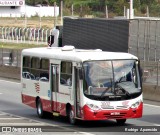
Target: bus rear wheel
(40, 111)
(121, 121)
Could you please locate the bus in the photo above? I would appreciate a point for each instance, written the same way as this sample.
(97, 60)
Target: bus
(82, 84)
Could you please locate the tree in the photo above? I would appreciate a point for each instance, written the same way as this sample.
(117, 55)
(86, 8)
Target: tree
(114, 6)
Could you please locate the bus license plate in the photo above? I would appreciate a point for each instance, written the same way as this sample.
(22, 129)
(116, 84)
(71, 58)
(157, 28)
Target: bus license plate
(115, 113)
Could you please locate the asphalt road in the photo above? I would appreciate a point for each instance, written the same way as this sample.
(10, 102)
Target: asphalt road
(14, 113)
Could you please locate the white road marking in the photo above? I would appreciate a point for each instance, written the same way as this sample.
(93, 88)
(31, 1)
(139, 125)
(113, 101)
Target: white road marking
(152, 105)
(1, 93)
(86, 133)
(39, 123)
(23, 124)
(11, 118)
(156, 124)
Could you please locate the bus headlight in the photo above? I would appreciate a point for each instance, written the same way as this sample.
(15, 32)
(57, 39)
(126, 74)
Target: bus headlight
(93, 107)
(136, 104)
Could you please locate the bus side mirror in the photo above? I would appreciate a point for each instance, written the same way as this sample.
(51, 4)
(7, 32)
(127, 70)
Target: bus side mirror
(50, 40)
(80, 72)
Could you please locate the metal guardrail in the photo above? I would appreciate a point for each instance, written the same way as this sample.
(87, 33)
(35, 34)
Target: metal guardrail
(24, 35)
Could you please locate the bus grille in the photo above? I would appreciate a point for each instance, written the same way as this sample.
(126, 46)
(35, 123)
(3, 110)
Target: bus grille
(117, 107)
(114, 115)
(121, 107)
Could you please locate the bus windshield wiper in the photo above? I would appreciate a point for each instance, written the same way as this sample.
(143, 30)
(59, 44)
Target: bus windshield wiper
(104, 92)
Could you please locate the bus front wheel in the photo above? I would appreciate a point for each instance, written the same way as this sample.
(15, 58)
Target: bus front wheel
(40, 111)
(120, 121)
(71, 117)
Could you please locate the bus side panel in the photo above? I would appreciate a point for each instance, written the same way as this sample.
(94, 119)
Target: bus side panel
(46, 105)
(32, 89)
(29, 100)
(28, 94)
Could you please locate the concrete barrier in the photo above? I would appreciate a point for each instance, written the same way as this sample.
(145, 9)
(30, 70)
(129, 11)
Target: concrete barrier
(151, 92)
(10, 72)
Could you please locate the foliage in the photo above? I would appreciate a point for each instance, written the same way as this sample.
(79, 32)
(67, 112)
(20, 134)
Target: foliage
(115, 7)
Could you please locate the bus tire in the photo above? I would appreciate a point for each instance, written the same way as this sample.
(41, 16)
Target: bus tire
(40, 111)
(121, 121)
(71, 117)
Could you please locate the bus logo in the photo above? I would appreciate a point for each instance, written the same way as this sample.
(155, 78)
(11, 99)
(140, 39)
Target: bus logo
(20, 2)
(37, 87)
(125, 103)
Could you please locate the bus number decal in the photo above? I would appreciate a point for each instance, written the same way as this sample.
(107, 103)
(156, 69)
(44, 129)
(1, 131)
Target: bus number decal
(105, 104)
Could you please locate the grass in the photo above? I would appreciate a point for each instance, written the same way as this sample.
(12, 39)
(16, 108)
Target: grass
(35, 22)
(18, 46)
(46, 23)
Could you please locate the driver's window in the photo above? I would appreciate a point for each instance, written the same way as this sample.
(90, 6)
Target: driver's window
(66, 73)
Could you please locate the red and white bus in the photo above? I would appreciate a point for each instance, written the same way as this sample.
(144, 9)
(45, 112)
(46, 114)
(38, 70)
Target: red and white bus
(82, 84)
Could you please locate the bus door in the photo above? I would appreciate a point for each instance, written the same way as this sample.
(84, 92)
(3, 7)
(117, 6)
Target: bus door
(54, 86)
(77, 93)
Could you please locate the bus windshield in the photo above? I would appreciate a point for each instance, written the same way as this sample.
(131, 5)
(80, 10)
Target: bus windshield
(111, 80)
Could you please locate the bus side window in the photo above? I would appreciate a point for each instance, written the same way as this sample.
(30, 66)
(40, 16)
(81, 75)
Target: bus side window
(26, 67)
(44, 70)
(35, 66)
(66, 73)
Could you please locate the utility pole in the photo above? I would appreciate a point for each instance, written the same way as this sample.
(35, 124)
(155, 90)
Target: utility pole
(106, 12)
(72, 10)
(61, 12)
(55, 18)
(131, 10)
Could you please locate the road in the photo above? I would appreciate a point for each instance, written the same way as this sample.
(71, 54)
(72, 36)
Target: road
(14, 113)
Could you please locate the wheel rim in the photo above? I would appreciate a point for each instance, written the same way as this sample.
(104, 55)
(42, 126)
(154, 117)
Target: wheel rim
(39, 109)
(71, 117)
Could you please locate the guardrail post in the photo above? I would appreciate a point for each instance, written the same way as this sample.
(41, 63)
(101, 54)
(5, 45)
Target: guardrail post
(13, 33)
(3, 32)
(16, 32)
(46, 35)
(27, 34)
(19, 34)
(6, 32)
(34, 35)
(42, 34)
(10, 33)
(23, 36)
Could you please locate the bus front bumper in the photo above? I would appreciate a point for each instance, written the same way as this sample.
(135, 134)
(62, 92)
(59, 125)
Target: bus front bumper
(89, 114)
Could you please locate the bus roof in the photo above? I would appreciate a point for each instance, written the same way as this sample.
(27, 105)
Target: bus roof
(71, 54)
